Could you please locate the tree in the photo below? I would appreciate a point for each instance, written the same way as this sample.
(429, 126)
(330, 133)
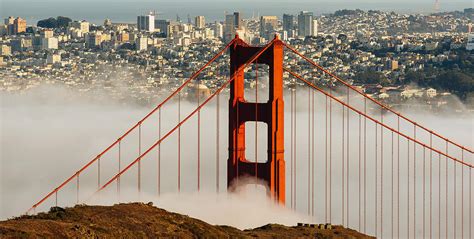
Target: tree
(416, 77)
(59, 22)
(371, 77)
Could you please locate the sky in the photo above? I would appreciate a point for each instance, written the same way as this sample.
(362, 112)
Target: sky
(127, 10)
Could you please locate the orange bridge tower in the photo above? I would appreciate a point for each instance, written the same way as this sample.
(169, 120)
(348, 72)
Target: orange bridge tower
(272, 171)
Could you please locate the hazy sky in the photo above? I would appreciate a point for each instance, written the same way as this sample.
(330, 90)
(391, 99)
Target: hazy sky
(127, 10)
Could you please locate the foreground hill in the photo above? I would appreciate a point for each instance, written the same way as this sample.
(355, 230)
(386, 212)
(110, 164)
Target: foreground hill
(138, 220)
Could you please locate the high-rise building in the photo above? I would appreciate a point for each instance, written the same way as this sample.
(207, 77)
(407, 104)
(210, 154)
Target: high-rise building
(146, 23)
(200, 22)
(288, 24)
(305, 24)
(229, 27)
(19, 25)
(218, 30)
(163, 26)
(237, 20)
(268, 25)
(315, 28)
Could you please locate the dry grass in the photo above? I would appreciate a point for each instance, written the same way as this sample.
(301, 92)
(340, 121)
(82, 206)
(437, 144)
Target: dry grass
(138, 220)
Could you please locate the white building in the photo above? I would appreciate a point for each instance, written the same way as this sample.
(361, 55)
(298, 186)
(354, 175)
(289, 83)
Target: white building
(5, 50)
(218, 30)
(49, 43)
(315, 28)
(200, 22)
(141, 43)
(430, 93)
(146, 23)
(470, 42)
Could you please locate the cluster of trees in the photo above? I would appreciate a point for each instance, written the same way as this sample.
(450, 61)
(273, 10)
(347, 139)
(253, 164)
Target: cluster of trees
(456, 76)
(58, 22)
(347, 12)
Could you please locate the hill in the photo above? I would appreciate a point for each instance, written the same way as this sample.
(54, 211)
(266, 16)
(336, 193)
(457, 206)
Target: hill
(138, 220)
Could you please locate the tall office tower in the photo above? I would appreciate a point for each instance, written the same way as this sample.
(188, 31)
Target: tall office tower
(229, 27)
(315, 28)
(305, 24)
(237, 20)
(19, 25)
(218, 30)
(163, 26)
(268, 25)
(288, 24)
(200, 22)
(146, 23)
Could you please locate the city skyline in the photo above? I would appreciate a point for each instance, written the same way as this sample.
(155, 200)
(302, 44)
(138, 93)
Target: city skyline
(126, 10)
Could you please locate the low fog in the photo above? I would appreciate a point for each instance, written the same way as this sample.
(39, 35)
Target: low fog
(48, 133)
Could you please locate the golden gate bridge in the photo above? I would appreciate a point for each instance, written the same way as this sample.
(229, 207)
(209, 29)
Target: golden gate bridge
(357, 162)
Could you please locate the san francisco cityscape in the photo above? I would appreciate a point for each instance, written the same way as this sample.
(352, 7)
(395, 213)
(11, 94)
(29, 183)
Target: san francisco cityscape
(286, 121)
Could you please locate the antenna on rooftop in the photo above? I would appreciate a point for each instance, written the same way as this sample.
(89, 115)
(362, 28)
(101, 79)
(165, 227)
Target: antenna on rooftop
(436, 6)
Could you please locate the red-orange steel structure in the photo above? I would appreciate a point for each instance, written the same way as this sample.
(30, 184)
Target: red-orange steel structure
(271, 112)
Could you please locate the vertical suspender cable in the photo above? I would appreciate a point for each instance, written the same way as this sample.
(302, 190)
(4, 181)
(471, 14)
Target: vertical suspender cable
(347, 163)
(119, 167)
(365, 165)
(312, 155)
(330, 156)
(98, 173)
(295, 150)
(431, 186)
(398, 176)
(376, 182)
(217, 142)
(447, 197)
(309, 150)
(159, 154)
(462, 194)
(414, 182)
(291, 148)
(256, 120)
(343, 164)
(360, 183)
(393, 188)
(179, 142)
(198, 139)
(454, 195)
(424, 189)
(408, 189)
(381, 174)
(139, 153)
(439, 195)
(326, 163)
(77, 189)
